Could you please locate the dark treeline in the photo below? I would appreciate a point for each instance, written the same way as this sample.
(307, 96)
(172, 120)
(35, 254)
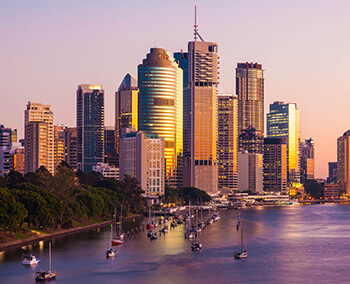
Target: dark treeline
(42, 200)
(183, 195)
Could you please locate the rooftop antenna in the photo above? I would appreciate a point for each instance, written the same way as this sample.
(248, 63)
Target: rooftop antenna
(196, 33)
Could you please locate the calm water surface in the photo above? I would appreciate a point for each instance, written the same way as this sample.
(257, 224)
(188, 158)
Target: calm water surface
(290, 244)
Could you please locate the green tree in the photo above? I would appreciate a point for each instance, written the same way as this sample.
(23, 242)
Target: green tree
(12, 213)
(313, 188)
(134, 201)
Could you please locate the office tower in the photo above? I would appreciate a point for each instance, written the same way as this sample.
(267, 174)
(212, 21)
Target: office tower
(343, 162)
(307, 164)
(39, 137)
(142, 156)
(250, 172)
(17, 159)
(160, 107)
(332, 172)
(251, 141)
(59, 144)
(90, 126)
(275, 165)
(126, 106)
(283, 121)
(200, 118)
(227, 142)
(182, 59)
(7, 136)
(70, 146)
(250, 91)
(110, 155)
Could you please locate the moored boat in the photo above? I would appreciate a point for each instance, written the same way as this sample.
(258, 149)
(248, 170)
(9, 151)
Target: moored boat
(46, 275)
(30, 260)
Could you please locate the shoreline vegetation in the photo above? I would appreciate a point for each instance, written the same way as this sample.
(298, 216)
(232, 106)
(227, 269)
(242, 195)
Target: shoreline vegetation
(40, 206)
(43, 236)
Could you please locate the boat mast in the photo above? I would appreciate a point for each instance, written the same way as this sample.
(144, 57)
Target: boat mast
(121, 220)
(50, 257)
(242, 236)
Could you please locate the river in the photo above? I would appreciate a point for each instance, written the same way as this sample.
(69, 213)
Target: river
(286, 244)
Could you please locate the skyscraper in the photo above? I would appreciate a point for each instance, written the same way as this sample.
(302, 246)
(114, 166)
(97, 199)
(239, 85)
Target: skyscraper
(39, 137)
(307, 160)
(59, 144)
(283, 121)
(227, 142)
(110, 147)
(343, 162)
(90, 126)
(160, 107)
(250, 91)
(126, 106)
(200, 118)
(70, 146)
(275, 165)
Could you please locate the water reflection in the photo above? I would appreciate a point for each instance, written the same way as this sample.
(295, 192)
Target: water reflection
(295, 244)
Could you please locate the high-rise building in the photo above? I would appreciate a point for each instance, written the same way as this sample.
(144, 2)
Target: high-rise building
(110, 154)
(250, 91)
(251, 141)
(227, 142)
(200, 117)
(332, 172)
(283, 121)
(90, 126)
(17, 159)
(126, 106)
(275, 165)
(343, 162)
(7, 136)
(59, 147)
(70, 146)
(142, 156)
(250, 172)
(307, 160)
(39, 137)
(160, 107)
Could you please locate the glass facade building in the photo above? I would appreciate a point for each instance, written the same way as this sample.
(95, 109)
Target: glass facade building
(250, 91)
(126, 107)
(343, 162)
(283, 121)
(160, 107)
(90, 126)
(227, 142)
(200, 116)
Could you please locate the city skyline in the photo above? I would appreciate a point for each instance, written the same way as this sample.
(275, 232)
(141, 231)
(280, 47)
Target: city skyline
(304, 56)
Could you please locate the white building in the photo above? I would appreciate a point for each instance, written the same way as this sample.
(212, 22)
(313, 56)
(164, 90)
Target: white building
(142, 156)
(250, 172)
(106, 170)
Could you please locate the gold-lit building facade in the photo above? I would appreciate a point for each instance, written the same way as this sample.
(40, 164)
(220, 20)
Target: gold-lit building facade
(160, 108)
(200, 117)
(343, 163)
(38, 137)
(250, 91)
(283, 121)
(227, 142)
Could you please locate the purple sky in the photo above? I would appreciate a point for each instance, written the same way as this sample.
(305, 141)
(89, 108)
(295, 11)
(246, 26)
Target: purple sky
(49, 47)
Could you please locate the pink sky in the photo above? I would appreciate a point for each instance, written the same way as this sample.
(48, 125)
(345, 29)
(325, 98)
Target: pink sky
(49, 47)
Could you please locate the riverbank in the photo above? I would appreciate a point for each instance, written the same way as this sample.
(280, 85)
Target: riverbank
(56, 234)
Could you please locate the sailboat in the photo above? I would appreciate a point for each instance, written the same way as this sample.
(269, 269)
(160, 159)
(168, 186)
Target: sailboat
(46, 275)
(119, 238)
(244, 251)
(111, 252)
(149, 226)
